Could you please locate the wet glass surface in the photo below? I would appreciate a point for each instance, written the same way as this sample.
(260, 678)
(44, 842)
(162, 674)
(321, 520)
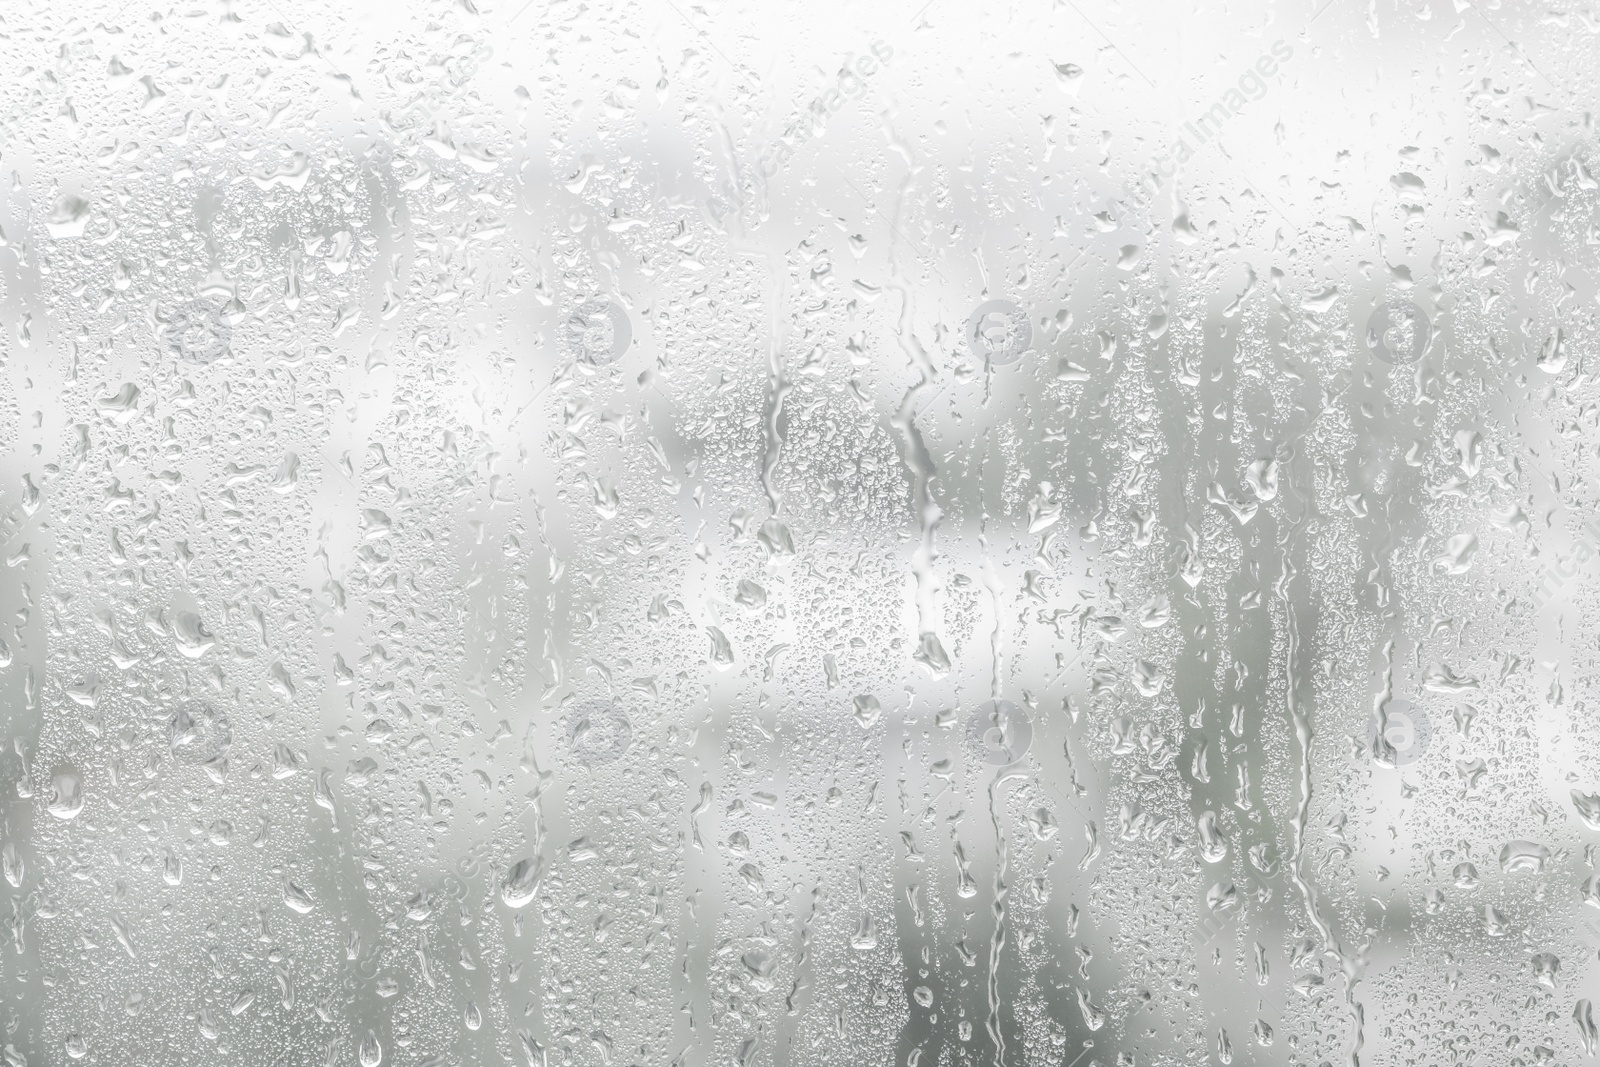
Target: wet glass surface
(650, 533)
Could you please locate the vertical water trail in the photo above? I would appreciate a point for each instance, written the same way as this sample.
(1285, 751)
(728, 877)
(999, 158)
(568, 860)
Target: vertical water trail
(997, 940)
(1380, 703)
(991, 582)
(918, 460)
(778, 389)
(778, 385)
(920, 466)
(783, 1053)
(1302, 732)
(739, 240)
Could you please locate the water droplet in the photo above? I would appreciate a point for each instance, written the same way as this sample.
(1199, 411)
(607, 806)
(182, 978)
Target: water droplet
(66, 792)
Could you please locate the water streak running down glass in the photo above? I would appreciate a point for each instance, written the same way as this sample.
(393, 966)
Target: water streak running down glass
(631, 533)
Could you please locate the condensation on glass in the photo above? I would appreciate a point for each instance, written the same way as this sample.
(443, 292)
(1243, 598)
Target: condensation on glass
(648, 533)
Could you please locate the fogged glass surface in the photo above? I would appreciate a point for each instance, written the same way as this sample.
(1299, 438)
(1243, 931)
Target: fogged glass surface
(661, 533)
